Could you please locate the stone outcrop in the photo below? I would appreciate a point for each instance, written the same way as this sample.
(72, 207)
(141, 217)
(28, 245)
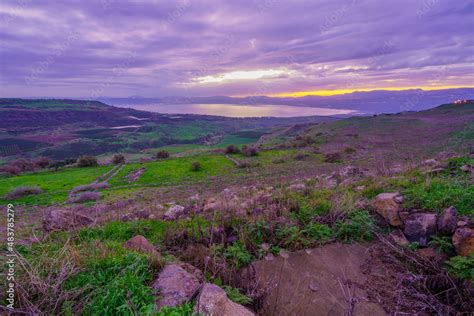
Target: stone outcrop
(388, 206)
(419, 227)
(56, 219)
(463, 240)
(447, 221)
(141, 244)
(175, 286)
(174, 212)
(213, 301)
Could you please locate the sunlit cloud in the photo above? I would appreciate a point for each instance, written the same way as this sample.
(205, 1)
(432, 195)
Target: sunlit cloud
(241, 75)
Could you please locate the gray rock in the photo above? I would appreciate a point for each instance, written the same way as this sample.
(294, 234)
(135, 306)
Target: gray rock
(419, 227)
(447, 221)
(175, 286)
(213, 301)
(174, 212)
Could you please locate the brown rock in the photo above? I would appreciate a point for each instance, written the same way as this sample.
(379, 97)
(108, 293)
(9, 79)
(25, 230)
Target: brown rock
(386, 205)
(399, 237)
(428, 253)
(463, 240)
(213, 301)
(175, 286)
(55, 220)
(447, 221)
(141, 244)
(419, 227)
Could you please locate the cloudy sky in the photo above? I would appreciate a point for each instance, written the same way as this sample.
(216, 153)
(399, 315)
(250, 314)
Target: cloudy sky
(246, 47)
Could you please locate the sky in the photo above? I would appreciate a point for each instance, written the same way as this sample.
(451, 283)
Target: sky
(119, 48)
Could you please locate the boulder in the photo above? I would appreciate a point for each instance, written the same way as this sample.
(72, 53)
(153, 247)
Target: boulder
(387, 206)
(56, 219)
(399, 237)
(213, 301)
(463, 240)
(174, 212)
(141, 244)
(419, 227)
(447, 221)
(175, 286)
(428, 253)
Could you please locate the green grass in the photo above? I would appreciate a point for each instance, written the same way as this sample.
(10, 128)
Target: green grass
(175, 170)
(55, 184)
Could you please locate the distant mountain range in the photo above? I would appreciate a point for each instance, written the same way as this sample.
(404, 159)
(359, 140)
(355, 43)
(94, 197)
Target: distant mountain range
(380, 101)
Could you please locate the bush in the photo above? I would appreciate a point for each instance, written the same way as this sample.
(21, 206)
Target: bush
(23, 164)
(14, 171)
(42, 162)
(87, 161)
(357, 227)
(462, 267)
(23, 191)
(318, 232)
(232, 149)
(118, 159)
(86, 197)
(249, 151)
(162, 154)
(236, 296)
(333, 157)
(237, 255)
(195, 166)
(349, 150)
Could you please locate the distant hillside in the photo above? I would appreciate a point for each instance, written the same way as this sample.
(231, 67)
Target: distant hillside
(69, 128)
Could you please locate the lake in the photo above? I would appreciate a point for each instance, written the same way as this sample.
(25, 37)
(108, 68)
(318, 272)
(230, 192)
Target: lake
(238, 110)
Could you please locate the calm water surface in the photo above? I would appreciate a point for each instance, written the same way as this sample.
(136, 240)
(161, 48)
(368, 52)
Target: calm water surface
(237, 110)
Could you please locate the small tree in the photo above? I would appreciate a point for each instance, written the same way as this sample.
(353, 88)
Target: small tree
(162, 154)
(195, 166)
(118, 159)
(232, 149)
(249, 151)
(87, 161)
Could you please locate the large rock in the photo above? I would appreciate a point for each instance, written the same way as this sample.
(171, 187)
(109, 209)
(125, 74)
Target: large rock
(213, 301)
(399, 238)
(174, 212)
(141, 244)
(175, 286)
(463, 240)
(388, 206)
(419, 227)
(447, 221)
(55, 220)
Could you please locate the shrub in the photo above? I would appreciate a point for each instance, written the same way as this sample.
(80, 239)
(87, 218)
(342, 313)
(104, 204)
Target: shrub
(442, 244)
(357, 227)
(42, 162)
(118, 159)
(23, 191)
(462, 267)
(317, 231)
(14, 171)
(237, 255)
(195, 166)
(300, 156)
(349, 150)
(236, 296)
(333, 157)
(23, 164)
(249, 151)
(162, 154)
(86, 197)
(232, 149)
(87, 161)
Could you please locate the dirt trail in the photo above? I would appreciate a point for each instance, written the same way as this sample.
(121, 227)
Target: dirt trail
(321, 281)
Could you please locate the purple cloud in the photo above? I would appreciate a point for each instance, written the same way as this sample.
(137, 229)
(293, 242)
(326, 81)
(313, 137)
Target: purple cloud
(156, 48)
